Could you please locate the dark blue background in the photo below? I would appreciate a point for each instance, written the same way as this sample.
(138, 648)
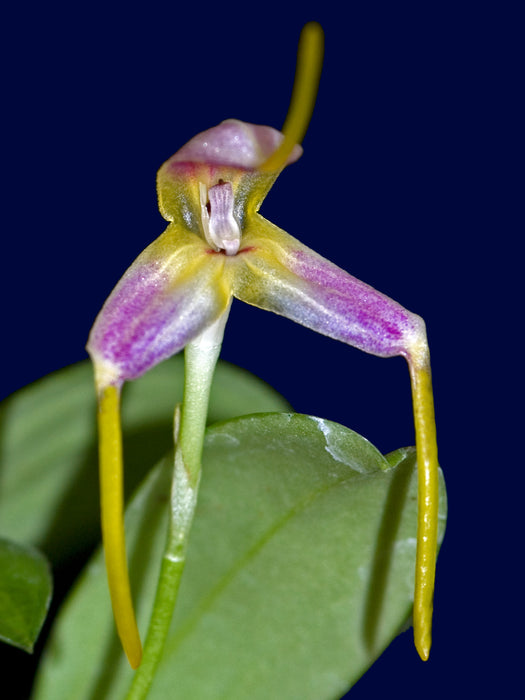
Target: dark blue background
(400, 183)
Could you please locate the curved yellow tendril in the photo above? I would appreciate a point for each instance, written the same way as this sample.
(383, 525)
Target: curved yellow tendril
(427, 461)
(112, 515)
(306, 83)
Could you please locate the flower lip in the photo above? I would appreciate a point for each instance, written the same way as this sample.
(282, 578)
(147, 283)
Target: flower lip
(221, 229)
(234, 143)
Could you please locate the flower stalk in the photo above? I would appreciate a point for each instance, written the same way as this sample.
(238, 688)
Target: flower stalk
(177, 295)
(200, 359)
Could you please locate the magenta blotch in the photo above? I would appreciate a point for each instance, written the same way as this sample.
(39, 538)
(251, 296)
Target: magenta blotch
(178, 293)
(233, 143)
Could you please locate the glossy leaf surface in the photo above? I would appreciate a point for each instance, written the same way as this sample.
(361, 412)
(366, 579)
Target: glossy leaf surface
(300, 570)
(25, 593)
(48, 458)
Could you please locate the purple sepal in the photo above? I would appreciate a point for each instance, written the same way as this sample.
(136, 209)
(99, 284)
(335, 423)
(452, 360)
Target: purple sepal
(152, 314)
(286, 277)
(347, 309)
(233, 143)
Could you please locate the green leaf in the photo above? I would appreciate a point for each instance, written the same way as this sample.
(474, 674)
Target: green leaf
(300, 570)
(48, 458)
(25, 593)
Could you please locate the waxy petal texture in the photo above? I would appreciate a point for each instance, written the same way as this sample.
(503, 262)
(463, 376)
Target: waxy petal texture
(172, 292)
(234, 143)
(230, 152)
(218, 246)
(284, 276)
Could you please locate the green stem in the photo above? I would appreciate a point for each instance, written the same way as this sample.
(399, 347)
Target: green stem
(200, 358)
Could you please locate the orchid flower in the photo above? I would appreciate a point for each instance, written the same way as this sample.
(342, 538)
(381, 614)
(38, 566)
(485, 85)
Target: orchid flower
(177, 295)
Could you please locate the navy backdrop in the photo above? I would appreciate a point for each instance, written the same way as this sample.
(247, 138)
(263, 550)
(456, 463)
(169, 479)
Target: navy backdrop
(397, 185)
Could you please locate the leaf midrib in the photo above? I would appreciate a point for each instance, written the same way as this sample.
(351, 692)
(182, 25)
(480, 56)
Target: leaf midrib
(187, 627)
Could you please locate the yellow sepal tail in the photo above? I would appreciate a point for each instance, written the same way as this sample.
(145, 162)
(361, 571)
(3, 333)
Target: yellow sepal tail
(112, 516)
(427, 525)
(308, 73)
